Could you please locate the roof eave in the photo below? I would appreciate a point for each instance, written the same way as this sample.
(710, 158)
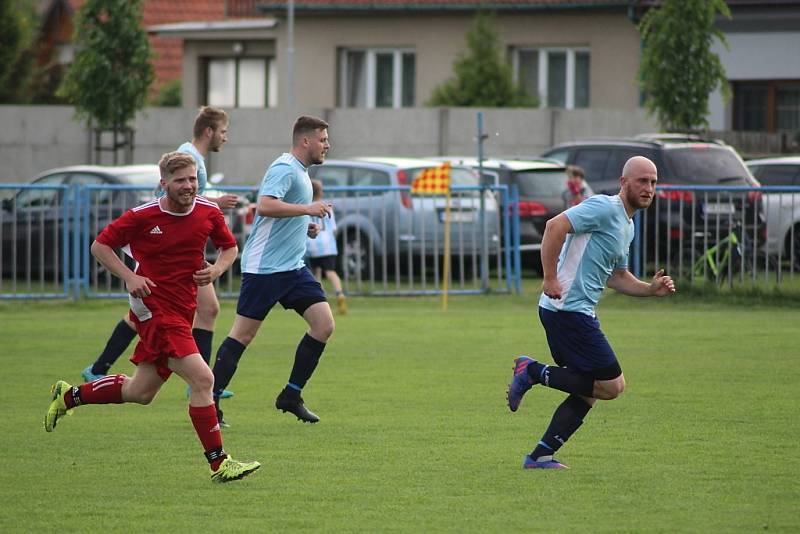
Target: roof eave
(427, 8)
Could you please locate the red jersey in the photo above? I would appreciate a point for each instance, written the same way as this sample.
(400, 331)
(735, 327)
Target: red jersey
(168, 247)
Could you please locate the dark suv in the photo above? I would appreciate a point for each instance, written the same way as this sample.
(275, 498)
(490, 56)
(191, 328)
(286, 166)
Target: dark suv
(691, 216)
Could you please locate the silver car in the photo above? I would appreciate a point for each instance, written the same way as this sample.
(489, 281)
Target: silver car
(380, 225)
(782, 209)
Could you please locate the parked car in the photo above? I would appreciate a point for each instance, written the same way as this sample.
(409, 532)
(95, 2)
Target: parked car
(384, 223)
(681, 160)
(542, 190)
(782, 209)
(32, 221)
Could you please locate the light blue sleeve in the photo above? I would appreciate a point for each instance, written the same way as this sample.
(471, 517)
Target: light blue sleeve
(589, 215)
(623, 261)
(277, 181)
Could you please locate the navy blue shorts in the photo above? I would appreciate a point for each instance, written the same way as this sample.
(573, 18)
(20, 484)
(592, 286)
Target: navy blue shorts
(577, 342)
(295, 290)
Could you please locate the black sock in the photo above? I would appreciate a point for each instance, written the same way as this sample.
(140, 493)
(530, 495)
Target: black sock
(228, 355)
(566, 419)
(309, 351)
(203, 339)
(561, 378)
(120, 338)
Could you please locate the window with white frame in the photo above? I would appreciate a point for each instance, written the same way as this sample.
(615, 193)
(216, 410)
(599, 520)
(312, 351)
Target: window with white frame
(376, 77)
(241, 82)
(559, 77)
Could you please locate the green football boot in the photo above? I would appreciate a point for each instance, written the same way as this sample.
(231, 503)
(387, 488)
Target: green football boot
(57, 408)
(231, 469)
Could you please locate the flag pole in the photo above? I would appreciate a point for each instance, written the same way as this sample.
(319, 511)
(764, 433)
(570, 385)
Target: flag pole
(446, 263)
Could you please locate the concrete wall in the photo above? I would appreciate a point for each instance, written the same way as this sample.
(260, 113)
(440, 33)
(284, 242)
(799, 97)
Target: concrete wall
(34, 139)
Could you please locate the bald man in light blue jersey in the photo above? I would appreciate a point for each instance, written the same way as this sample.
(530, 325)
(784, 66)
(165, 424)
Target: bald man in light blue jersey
(273, 270)
(584, 249)
(209, 134)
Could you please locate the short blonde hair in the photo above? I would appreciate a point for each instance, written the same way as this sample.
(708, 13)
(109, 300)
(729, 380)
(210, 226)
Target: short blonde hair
(174, 161)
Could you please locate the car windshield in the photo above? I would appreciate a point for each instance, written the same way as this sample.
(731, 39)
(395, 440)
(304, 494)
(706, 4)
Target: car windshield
(706, 165)
(546, 183)
(458, 176)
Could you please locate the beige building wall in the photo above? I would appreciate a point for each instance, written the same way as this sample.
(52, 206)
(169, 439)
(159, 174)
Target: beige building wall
(438, 40)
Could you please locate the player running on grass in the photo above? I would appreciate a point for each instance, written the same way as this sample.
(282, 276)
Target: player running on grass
(167, 238)
(273, 270)
(594, 238)
(209, 135)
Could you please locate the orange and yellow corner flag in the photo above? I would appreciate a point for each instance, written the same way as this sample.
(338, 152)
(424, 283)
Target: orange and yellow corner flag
(433, 181)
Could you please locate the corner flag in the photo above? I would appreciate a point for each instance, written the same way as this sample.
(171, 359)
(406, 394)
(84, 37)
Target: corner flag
(433, 181)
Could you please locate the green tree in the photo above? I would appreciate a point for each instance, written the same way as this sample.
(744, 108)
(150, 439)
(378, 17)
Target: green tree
(678, 69)
(169, 95)
(110, 76)
(482, 76)
(16, 35)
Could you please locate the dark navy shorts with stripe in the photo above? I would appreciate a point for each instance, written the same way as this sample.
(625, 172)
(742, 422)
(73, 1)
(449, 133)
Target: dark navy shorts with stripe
(296, 290)
(577, 342)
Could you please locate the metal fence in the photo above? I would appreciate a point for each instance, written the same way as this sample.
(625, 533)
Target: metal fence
(391, 243)
(728, 236)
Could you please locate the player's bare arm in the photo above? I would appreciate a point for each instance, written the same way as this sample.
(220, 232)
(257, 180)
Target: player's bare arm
(555, 233)
(272, 207)
(138, 286)
(212, 271)
(225, 201)
(622, 280)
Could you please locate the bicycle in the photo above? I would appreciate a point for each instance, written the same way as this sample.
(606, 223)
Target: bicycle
(727, 257)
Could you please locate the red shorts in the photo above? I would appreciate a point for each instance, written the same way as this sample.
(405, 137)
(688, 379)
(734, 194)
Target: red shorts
(161, 338)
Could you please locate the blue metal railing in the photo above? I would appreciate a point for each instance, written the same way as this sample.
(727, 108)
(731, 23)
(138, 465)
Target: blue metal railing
(83, 211)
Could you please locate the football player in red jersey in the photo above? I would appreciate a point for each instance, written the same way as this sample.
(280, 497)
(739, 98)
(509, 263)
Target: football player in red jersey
(167, 238)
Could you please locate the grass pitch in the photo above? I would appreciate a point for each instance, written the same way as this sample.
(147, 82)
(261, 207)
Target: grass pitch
(415, 435)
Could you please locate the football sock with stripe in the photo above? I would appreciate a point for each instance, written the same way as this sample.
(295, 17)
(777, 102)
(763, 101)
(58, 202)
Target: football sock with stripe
(120, 338)
(202, 338)
(228, 355)
(306, 358)
(107, 390)
(567, 418)
(204, 420)
(561, 378)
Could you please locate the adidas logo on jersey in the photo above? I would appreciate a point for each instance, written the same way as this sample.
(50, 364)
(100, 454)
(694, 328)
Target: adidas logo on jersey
(156, 230)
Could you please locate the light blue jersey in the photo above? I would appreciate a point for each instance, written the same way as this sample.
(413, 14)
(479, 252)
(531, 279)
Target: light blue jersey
(602, 237)
(325, 242)
(202, 176)
(279, 244)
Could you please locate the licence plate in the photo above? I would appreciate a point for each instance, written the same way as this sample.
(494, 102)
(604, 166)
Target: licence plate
(458, 216)
(722, 208)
